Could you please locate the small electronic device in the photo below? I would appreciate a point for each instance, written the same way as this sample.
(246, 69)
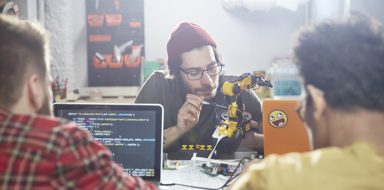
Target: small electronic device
(133, 133)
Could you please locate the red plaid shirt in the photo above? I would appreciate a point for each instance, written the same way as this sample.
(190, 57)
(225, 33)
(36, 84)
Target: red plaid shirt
(42, 152)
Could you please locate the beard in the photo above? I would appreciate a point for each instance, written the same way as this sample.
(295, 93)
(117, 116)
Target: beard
(46, 108)
(197, 91)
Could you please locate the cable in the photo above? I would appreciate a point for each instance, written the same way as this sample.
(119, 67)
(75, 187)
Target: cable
(233, 177)
(217, 114)
(239, 94)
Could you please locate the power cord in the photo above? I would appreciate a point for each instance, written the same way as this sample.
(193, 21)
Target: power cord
(231, 178)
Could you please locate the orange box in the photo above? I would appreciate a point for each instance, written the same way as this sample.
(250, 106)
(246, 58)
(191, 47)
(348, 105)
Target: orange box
(113, 19)
(100, 38)
(98, 64)
(96, 20)
(112, 63)
(135, 24)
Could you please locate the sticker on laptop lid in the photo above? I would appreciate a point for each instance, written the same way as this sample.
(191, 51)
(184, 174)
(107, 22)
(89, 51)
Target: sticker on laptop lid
(278, 118)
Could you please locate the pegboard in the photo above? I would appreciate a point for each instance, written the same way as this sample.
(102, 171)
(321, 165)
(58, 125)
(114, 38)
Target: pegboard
(112, 23)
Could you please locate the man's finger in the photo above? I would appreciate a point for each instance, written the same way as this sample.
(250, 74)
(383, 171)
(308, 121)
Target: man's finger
(254, 124)
(194, 100)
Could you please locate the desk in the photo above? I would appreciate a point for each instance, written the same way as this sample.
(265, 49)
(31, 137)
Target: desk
(190, 175)
(195, 176)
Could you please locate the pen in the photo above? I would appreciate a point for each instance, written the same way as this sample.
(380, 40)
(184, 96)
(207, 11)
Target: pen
(213, 104)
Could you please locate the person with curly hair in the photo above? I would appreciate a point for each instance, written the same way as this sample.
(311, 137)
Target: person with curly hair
(341, 63)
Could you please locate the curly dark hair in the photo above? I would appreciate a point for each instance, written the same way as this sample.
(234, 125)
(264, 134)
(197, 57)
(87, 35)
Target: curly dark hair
(345, 59)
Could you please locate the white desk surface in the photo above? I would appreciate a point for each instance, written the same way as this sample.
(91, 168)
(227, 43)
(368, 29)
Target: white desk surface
(191, 175)
(194, 175)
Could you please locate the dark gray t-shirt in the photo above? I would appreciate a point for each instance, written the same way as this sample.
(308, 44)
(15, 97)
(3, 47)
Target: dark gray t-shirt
(171, 94)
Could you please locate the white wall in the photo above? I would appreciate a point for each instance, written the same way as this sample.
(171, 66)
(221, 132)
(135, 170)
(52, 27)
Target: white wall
(373, 8)
(59, 21)
(247, 41)
(80, 44)
(321, 9)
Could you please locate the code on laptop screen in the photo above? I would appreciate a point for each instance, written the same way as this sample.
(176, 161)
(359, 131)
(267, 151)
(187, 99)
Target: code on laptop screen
(130, 135)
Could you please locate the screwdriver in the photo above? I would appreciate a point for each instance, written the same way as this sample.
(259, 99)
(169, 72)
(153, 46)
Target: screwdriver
(212, 104)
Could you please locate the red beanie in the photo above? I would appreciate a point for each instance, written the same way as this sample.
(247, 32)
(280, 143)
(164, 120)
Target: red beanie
(185, 37)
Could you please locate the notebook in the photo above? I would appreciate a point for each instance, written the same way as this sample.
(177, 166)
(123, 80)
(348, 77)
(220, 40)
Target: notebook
(284, 131)
(133, 133)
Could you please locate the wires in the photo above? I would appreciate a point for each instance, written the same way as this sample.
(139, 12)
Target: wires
(217, 114)
(260, 74)
(233, 176)
(239, 93)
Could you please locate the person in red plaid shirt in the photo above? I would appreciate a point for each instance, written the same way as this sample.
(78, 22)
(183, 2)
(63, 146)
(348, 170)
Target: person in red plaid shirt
(38, 151)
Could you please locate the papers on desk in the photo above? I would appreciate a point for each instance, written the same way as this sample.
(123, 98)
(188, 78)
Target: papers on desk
(191, 174)
(208, 161)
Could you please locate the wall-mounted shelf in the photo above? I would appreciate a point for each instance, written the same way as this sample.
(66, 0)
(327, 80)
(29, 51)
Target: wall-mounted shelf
(109, 25)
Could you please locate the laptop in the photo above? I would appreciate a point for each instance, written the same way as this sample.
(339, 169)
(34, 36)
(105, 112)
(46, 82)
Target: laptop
(284, 131)
(133, 133)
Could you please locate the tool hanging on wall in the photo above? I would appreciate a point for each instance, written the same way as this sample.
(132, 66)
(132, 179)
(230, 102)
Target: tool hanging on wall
(135, 53)
(100, 57)
(9, 8)
(117, 50)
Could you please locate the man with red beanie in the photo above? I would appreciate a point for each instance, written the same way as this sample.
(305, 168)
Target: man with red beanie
(194, 74)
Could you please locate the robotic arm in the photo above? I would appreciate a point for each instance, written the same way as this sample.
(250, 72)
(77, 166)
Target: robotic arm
(236, 121)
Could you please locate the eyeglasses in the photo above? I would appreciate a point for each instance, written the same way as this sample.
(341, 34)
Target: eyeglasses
(301, 106)
(301, 110)
(198, 74)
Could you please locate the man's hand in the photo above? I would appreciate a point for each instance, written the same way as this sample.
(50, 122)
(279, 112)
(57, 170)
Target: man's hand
(253, 140)
(189, 113)
(187, 118)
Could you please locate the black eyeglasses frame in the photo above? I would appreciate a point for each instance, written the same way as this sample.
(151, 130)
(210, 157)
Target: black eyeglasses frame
(220, 66)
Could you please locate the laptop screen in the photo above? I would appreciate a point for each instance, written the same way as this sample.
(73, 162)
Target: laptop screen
(133, 133)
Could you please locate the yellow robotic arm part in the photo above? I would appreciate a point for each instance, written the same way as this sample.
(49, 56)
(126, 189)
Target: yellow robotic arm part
(236, 109)
(229, 86)
(246, 81)
(235, 122)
